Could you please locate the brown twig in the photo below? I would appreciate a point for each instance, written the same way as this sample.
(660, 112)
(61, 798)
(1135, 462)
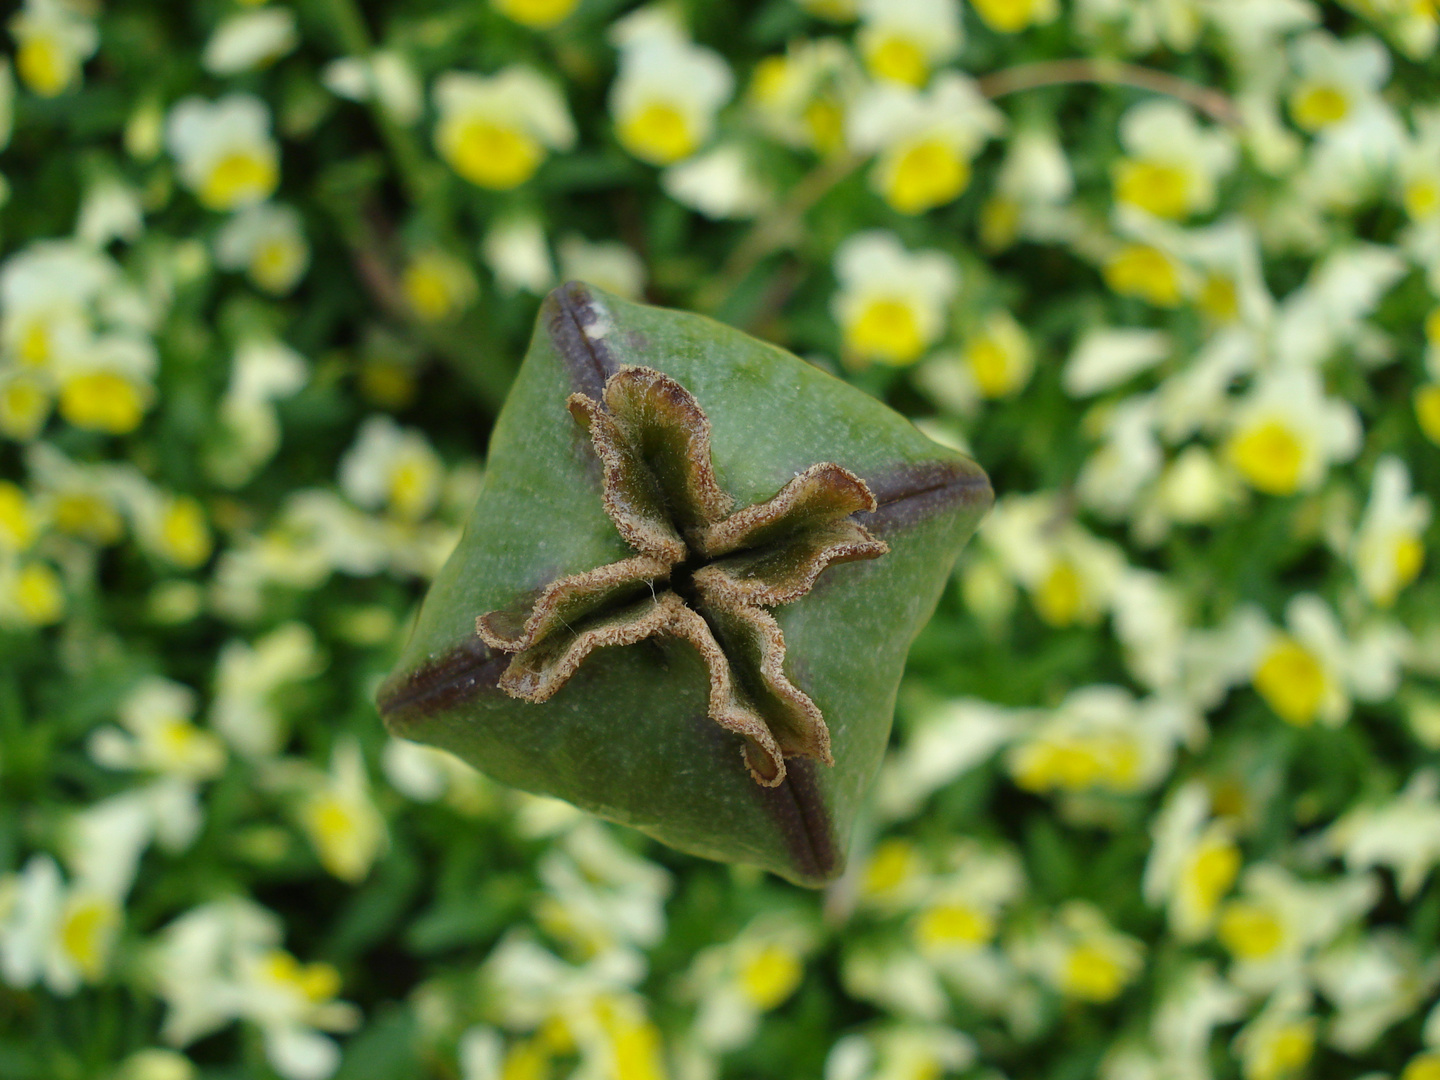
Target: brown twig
(1208, 100)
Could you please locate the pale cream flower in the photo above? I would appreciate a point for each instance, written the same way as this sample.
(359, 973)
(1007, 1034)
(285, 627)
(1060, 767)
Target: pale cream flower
(665, 97)
(262, 372)
(386, 76)
(900, 1051)
(720, 183)
(892, 303)
(495, 130)
(250, 39)
(518, 255)
(606, 264)
(159, 734)
(1127, 460)
(736, 983)
(1402, 834)
(803, 96)
(1280, 1041)
(943, 742)
(1013, 16)
(1080, 955)
(961, 909)
(224, 150)
(339, 817)
(924, 140)
(1374, 982)
(392, 469)
(51, 933)
(1389, 548)
(1194, 860)
(438, 286)
(1285, 433)
(111, 210)
(268, 243)
(1335, 80)
(1031, 188)
(904, 40)
(599, 896)
(53, 40)
(1106, 357)
(1172, 164)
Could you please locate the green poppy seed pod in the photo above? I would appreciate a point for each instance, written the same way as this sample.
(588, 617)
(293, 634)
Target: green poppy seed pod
(686, 593)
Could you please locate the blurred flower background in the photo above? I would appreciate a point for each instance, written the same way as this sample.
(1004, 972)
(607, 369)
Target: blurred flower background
(1164, 796)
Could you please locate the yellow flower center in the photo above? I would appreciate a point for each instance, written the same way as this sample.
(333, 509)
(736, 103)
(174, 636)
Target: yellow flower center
(1160, 188)
(893, 863)
(184, 535)
(44, 66)
(999, 222)
(239, 178)
(1144, 271)
(1007, 16)
(34, 348)
(768, 82)
(951, 925)
(387, 383)
(489, 154)
(537, 14)
(926, 175)
(1421, 198)
(102, 401)
(24, 405)
(1292, 681)
(38, 595)
(1218, 298)
(1270, 456)
(825, 117)
(1091, 973)
(658, 133)
(1319, 105)
(276, 263)
(899, 60)
(992, 366)
(1210, 874)
(412, 488)
(315, 982)
(85, 933)
(1060, 600)
(1407, 555)
(770, 976)
(1287, 1050)
(427, 290)
(1427, 411)
(1422, 1067)
(526, 1060)
(17, 521)
(82, 514)
(1249, 931)
(886, 330)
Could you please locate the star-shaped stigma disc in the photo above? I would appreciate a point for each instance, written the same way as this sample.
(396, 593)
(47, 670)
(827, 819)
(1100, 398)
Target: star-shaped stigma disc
(703, 572)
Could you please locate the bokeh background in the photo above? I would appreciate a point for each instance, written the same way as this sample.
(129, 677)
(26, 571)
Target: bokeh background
(1162, 802)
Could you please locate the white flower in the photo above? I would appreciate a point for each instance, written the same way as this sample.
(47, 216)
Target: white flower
(1193, 862)
(494, 130)
(340, 819)
(1389, 549)
(960, 910)
(1171, 164)
(925, 139)
(600, 897)
(267, 242)
(159, 735)
(386, 76)
(1374, 983)
(262, 372)
(224, 150)
(943, 743)
(1106, 357)
(1285, 434)
(1402, 834)
(53, 40)
(1079, 954)
(111, 210)
(606, 264)
(892, 303)
(720, 183)
(900, 1051)
(1031, 187)
(247, 678)
(1280, 1041)
(392, 469)
(665, 97)
(802, 98)
(746, 977)
(516, 251)
(1336, 79)
(1128, 459)
(903, 40)
(53, 934)
(250, 39)
(1146, 24)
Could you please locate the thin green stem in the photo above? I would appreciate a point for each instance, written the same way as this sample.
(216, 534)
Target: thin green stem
(355, 39)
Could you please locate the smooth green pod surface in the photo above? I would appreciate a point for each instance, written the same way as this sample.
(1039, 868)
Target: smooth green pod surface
(637, 729)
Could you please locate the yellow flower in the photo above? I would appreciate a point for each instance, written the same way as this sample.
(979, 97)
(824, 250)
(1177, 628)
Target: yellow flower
(536, 14)
(666, 94)
(224, 150)
(901, 41)
(1012, 16)
(999, 356)
(437, 286)
(103, 401)
(339, 818)
(52, 42)
(35, 595)
(891, 304)
(1427, 411)
(19, 523)
(495, 130)
(769, 973)
(268, 243)
(1144, 271)
(24, 405)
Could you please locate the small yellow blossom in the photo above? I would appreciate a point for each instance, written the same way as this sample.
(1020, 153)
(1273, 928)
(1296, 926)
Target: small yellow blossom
(224, 150)
(24, 405)
(1336, 79)
(1389, 549)
(1012, 16)
(52, 42)
(902, 41)
(803, 97)
(536, 14)
(1145, 271)
(268, 243)
(1427, 411)
(1082, 956)
(31, 595)
(437, 286)
(1172, 164)
(104, 401)
(1000, 356)
(891, 304)
(1286, 433)
(19, 522)
(340, 820)
(667, 92)
(495, 130)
